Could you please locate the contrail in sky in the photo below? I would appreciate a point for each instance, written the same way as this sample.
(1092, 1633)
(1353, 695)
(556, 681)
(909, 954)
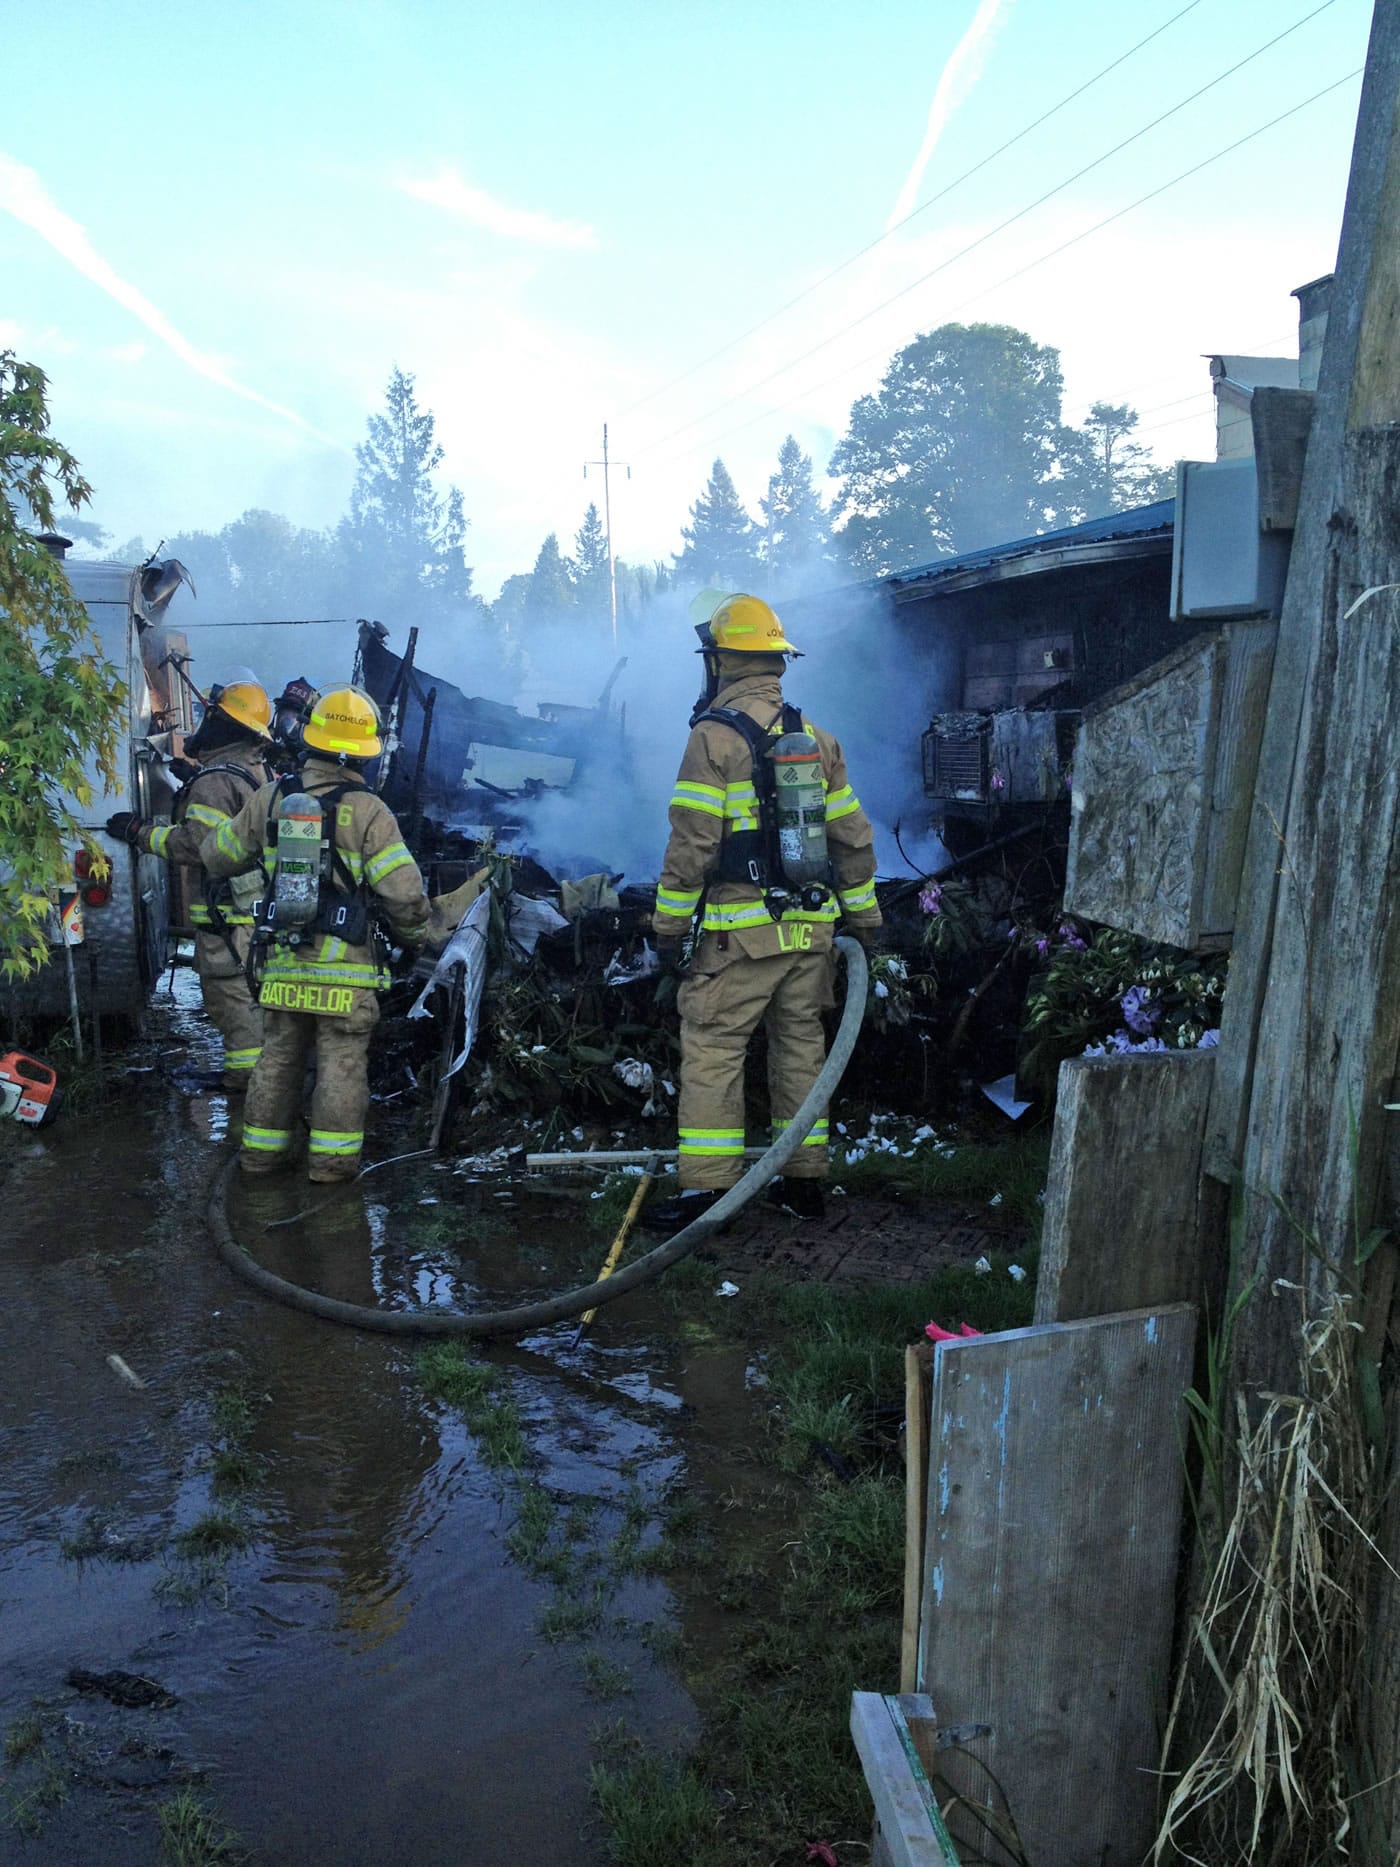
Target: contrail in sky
(962, 71)
(24, 195)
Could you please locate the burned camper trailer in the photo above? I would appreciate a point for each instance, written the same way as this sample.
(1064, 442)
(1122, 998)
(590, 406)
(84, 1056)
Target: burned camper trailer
(467, 761)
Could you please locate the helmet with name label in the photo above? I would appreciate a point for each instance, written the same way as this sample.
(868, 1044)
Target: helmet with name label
(344, 723)
(742, 625)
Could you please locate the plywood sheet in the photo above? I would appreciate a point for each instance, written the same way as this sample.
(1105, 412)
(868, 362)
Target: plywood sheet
(1055, 1490)
(1121, 1227)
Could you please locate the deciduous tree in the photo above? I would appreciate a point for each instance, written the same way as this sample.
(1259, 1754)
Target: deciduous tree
(62, 706)
(1105, 469)
(958, 448)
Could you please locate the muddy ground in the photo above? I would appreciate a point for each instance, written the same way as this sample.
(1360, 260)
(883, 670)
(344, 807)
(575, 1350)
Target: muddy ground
(316, 1564)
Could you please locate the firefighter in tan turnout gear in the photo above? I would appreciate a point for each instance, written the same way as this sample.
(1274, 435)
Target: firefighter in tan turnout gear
(769, 845)
(230, 746)
(337, 864)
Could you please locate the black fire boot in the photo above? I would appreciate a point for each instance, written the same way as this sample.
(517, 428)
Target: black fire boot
(672, 1214)
(802, 1198)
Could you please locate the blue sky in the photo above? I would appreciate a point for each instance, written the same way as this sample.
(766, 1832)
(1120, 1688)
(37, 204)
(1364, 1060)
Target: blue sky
(219, 229)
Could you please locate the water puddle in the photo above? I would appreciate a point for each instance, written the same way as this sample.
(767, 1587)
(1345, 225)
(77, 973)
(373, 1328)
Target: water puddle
(315, 1560)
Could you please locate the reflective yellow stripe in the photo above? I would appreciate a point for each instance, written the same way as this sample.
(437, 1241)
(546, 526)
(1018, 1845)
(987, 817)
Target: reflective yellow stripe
(242, 1059)
(316, 972)
(160, 836)
(711, 1141)
(855, 900)
(267, 1140)
(207, 815)
(677, 900)
(842, 803)
(819, 1137)
(702, 797)
(331, 949)
(199, 915)
(747, 915)
(230, 845)
(394, 857)
(336, 1141)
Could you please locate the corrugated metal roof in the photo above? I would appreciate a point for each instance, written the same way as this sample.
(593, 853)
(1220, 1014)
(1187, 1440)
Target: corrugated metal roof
(1141, 522)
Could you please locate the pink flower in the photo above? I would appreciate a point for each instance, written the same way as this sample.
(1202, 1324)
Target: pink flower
(931, 899)
(997, 782)
(822, 1851)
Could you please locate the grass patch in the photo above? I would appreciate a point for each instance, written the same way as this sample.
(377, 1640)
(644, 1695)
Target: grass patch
(472, 1389)
(24, 1736)
(571, 1616)
(192, 1583)
(815, 1593)
(97, 1540)
(234, 1469)
(974, 1171)
(604, 1678)
(607, 1205)
(658, 1810)
(49, 1789)
(231, 1411)
(191, 1835)
(216, 1534)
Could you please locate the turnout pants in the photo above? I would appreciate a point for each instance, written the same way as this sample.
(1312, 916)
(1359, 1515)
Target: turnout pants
(340, 1045)
(721, 1005)
(229, 1001)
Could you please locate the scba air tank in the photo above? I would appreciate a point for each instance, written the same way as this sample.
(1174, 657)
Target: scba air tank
(801, 797)
(297, 890)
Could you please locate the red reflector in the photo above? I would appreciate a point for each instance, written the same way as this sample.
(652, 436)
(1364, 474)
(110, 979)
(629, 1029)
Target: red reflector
(96, 896)
(82, 864)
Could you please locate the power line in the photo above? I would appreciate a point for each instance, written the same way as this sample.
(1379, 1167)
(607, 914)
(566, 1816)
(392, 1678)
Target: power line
(923, 207)
(981, 240)
(1152, 195)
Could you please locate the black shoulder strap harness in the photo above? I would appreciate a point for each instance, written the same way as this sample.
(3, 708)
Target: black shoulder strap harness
(753, 857)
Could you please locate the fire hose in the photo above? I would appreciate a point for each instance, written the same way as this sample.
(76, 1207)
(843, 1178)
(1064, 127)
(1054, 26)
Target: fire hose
(540, 1315)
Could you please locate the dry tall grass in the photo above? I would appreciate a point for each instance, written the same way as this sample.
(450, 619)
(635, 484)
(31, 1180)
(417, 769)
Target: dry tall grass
(1274, 1669)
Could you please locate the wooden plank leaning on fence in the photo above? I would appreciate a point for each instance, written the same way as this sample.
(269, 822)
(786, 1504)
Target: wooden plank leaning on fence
(1054, 1508)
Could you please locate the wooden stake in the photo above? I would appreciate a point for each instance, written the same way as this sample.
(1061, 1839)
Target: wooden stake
(629, 1219)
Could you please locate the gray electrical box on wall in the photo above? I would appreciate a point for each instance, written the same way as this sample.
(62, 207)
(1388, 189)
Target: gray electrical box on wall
(1222, 563)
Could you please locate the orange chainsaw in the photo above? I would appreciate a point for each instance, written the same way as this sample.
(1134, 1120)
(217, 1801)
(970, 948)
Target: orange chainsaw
(29, 1090)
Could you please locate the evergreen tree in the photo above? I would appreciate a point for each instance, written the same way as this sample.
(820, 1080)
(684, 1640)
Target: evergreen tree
(551, 581)
(719, 543)
(591, 566)
(402, 539)
(1106, 470)
(958, 448)
(792, 535)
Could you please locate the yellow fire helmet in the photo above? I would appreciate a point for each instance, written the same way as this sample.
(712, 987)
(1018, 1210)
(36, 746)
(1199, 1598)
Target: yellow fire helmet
(344, 723)
(245, 701)
(744, 625)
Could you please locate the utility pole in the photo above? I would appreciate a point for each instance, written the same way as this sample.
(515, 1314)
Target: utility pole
(607, 522)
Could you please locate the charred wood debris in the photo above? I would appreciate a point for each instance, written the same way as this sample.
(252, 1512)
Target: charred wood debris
(576, 1031)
